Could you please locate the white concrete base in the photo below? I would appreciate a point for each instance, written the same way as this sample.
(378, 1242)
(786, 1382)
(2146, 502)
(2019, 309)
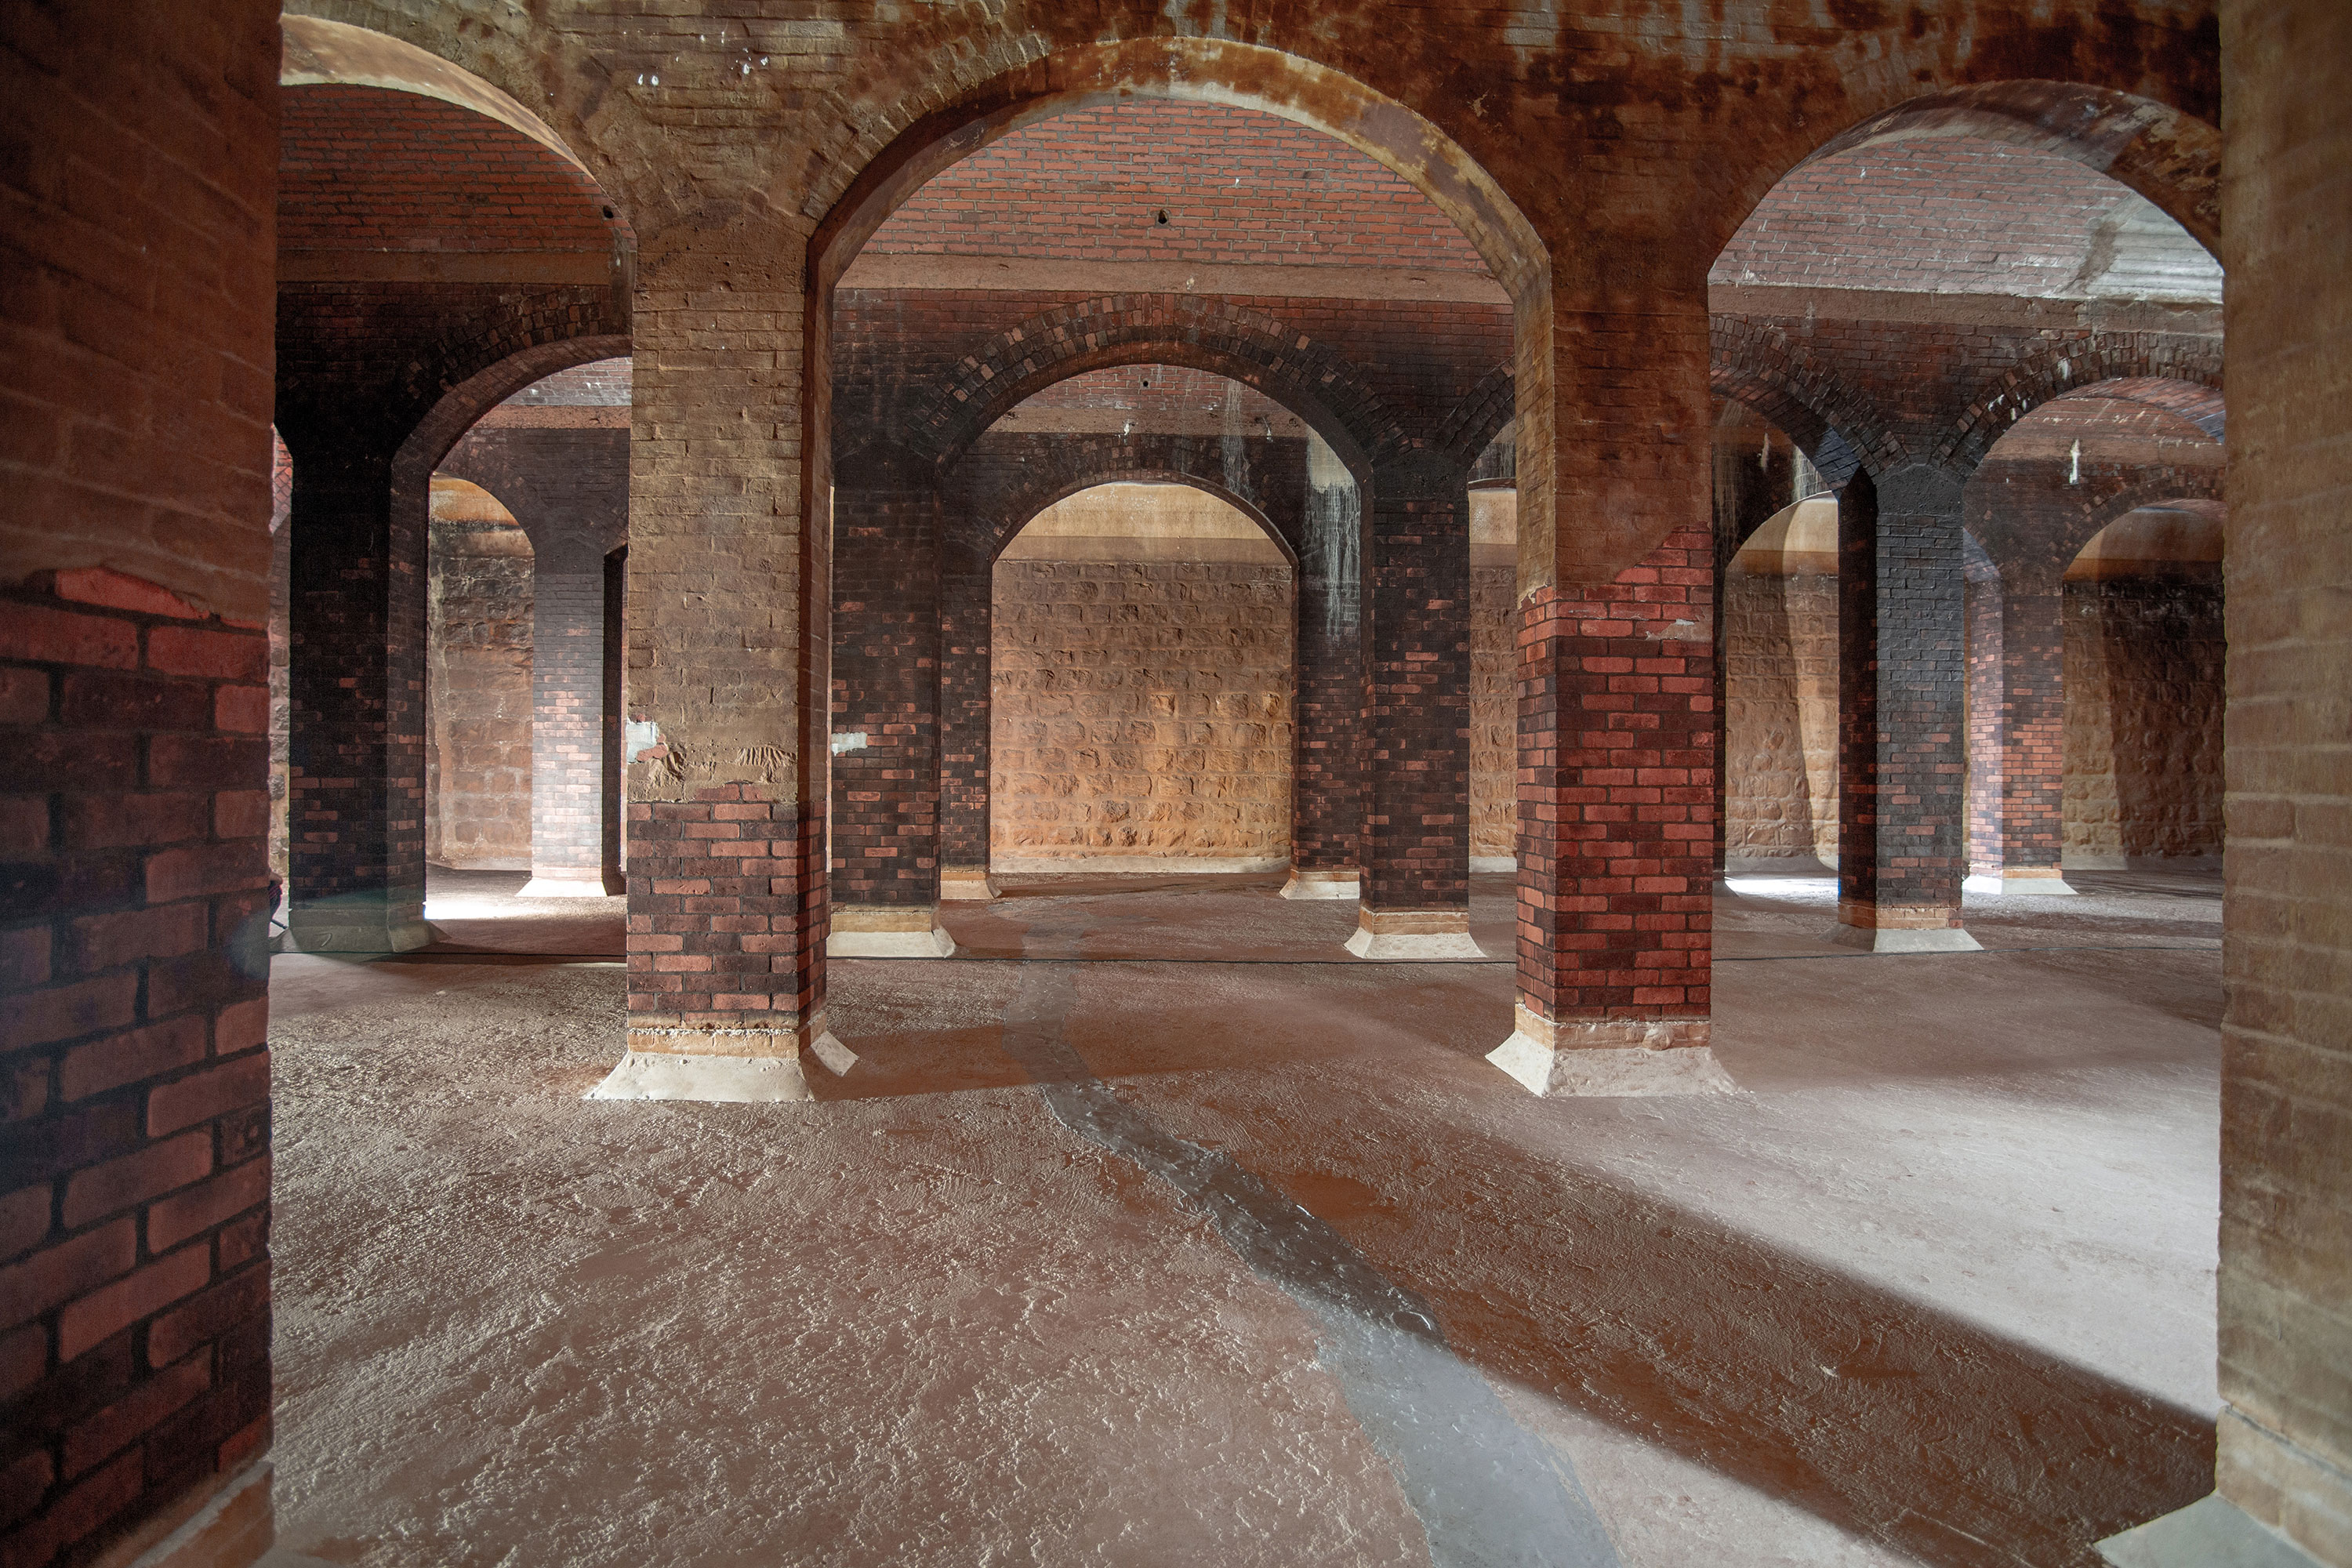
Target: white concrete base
(226, 1523)
(1485, 864)
(966, 884)
(716, 1081)
(378, 936)
(932, 943)
(870, 930)
(2047, 885)
(1339, 884)
(1611, 1059)
(1899, 938)
(2212, 1532)
(572, 885)
(1405, 935)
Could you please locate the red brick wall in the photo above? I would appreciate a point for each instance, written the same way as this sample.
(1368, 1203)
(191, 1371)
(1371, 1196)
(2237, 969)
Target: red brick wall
(134, 1179)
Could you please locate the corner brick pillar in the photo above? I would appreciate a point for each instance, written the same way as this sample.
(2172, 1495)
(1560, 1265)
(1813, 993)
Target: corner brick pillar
(886, 707)
(1617, 716)
(2032, 737)
(728, 663)
(1902, 712)
(575, 818)
(134, 929)
(355, 775)
(1327, 794)
(1416, 642)
(966, 669)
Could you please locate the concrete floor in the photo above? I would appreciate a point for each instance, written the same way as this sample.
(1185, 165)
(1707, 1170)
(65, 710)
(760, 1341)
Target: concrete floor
(1250, 1259)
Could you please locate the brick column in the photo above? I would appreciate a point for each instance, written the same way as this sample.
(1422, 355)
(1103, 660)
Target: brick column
(2032, 739)
(1416, 642)
(575, 838)
(1617, 710)
(134, 1316)
(1326, 798)
(1902, 714)
(1616, 844)
(966, 672)
(355, 775)
(886, 707)
(728, 672)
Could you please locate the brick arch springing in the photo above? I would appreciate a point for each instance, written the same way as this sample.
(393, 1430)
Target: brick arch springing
(1813, 406)
(1202, 333)
(1484, 413)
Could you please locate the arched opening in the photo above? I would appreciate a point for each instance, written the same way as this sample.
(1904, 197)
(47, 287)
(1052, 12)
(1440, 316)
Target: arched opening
(439, 249)
(1022, 286)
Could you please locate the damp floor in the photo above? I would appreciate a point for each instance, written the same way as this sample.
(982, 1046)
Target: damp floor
(1154, 1228)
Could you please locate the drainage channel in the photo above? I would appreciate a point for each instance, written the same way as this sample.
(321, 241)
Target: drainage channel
(1487, 1492)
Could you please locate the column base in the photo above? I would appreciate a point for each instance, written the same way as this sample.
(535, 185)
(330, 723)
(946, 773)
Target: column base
(1338, 882)
(1899, 929)
(963, 883)
(888, 930)
(227, 1521)
(563, 883)
(2042, 884)
(721, 1066)
(2212, 1532)
(1610, 1057)
(1408, 934)
(1481, 865)
(327, 932)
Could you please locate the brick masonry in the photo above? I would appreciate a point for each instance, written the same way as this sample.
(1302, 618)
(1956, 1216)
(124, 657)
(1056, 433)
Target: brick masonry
(729, 638)
(2286, 1448)
(1617, 794)
(138, 159)
(134, 1167)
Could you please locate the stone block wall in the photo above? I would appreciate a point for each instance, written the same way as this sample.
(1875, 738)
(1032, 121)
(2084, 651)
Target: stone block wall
(1780, 649)
(1494, 710)
(2144, 695)
(1142, 708)
(478, 703)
